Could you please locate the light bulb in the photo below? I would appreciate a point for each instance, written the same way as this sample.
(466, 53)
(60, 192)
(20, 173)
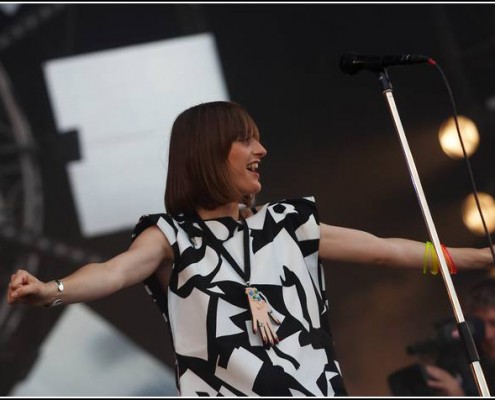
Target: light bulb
(449, 138)
(471, 215)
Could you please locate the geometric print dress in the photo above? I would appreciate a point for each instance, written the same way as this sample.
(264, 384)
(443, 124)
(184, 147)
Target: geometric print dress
(208, 315)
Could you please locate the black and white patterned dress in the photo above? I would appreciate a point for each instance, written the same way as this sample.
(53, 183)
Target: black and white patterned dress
(208, 314)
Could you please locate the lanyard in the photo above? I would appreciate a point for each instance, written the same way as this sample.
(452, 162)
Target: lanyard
(217, 245)
(261, 312)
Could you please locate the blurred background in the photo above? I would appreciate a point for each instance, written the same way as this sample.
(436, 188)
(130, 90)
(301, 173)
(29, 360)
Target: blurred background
(88, 94)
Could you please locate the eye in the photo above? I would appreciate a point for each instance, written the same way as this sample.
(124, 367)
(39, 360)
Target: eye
(245, 139)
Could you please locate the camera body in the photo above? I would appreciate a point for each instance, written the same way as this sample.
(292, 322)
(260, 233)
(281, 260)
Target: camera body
(447, 351)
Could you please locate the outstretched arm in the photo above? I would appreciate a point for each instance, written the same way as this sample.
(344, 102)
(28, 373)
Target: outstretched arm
(352, 245)
(148, 252)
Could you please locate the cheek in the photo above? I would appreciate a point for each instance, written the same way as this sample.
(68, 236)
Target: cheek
(236, 171)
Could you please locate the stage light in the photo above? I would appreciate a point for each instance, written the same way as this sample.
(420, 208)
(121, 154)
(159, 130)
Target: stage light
(471, 215)
(449, 138)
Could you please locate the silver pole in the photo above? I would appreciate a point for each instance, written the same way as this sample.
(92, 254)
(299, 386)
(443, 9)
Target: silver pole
(475, 365)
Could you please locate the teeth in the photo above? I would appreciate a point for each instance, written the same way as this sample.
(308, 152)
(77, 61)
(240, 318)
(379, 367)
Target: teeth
(253, 166)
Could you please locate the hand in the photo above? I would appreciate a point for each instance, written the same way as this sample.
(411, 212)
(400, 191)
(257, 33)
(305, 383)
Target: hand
(25, 288)
(261, 315)
(444, 382)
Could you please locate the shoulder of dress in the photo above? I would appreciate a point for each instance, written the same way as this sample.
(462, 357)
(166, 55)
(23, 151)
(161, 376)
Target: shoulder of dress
(295, 201)
(147, 220)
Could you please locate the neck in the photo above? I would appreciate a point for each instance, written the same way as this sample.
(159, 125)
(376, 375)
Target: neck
(226, 210)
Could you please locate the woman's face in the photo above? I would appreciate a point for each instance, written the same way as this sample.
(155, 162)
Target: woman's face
(244, 159)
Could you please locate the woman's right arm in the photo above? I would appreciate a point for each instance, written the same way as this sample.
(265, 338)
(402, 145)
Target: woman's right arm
(149, 251)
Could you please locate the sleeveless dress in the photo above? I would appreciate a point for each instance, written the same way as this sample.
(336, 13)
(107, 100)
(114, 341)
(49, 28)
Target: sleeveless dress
(207, 311)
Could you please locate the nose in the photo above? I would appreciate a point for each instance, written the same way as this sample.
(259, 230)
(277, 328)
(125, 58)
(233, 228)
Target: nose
(259, 149)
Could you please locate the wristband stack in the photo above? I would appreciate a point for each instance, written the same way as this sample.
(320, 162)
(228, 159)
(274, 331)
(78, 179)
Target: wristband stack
(431, 261)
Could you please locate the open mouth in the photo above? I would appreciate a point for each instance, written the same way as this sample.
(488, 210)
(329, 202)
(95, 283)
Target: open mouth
(254, 166)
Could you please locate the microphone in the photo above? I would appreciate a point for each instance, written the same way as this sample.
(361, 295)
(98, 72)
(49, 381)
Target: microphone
(351, 63)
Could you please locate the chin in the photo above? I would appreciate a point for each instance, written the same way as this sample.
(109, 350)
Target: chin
(253, 191)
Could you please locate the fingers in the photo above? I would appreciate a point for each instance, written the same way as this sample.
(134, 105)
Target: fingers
(20, 287)
(272, 333)
(273, 317)
(442, 380)
(268, 333)
(263, 332)
(23, 291)
(436, 372)
(20, 278)
(266, 330)
(14, 284)
(17, 295)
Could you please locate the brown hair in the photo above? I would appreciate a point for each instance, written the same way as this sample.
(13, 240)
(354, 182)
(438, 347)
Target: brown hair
(200, 143)
(481, 295)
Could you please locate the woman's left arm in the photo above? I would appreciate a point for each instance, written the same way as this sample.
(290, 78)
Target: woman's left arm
(356, 246)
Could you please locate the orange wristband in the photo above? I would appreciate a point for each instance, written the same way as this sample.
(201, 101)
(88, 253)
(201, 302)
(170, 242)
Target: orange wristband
(450, 261)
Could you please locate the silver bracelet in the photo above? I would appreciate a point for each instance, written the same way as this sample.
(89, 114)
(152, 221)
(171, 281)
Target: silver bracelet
(60, 288)
(60, 285)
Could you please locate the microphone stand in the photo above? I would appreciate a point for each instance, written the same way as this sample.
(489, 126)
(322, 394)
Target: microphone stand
(463, 327)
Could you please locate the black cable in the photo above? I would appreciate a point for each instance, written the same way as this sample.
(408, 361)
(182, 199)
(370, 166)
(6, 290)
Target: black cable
(466, 158)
